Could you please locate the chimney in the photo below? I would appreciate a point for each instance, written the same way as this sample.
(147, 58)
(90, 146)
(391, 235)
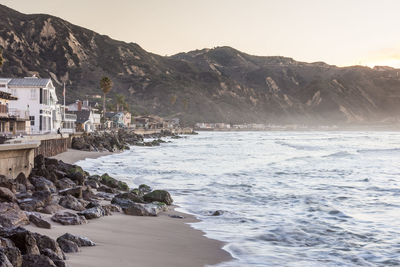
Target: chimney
(79, 104)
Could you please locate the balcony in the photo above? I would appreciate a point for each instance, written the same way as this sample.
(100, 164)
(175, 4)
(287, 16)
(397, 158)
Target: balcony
(19, 114)
(70, 117)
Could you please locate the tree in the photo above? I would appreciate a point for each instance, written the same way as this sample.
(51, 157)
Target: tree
(105, 85)
(120, 101)
(1, 57)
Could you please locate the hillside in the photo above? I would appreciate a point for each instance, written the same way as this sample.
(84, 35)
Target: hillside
(216, 85)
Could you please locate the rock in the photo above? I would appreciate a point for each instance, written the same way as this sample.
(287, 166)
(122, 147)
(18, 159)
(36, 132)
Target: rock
(76, 192)
(22, 183)
(39, 161)
(106, 196)
(43, 196)
(11, 251)
(131, 196)
(110, 208)
(217, 213)
(4, 262)
(8, 183)
(68, 218)
(23, 239)
(76, 174)
(6, 195)
(65, 183)
(122, 202)
(52, 208)
(143, 188)
(37, 260)
(42, 184)
(160, 196)
(11, 215)
(81, 241)
(39, 222)
(92, 213)
(176, 216)
(88, 194)
(44, 242)
(92, 183)
(113, 183)
(54, 257)
(68, 246)
(71, 202)
(139, 209)
(104, 188)
(50, 161)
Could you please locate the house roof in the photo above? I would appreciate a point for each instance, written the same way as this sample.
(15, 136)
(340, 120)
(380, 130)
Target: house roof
(29, 82)
(81, 116)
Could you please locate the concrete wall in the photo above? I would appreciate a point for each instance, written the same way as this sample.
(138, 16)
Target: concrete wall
(17, 158)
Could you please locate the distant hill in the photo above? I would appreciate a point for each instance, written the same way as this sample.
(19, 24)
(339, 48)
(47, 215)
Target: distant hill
(213, 85)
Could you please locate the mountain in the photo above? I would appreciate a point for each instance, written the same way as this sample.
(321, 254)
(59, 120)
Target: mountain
(213, 85)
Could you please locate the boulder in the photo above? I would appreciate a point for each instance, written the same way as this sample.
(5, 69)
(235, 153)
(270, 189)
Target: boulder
(92, 183)
(37, 260)
(68, 218)
(11, 251)
(131, 196)
(68, 246)
(143, 188)
(104, 188)
(81, 241)
(110, 208)
(11, 215)
(92, 213)
(160, 196)
(88, 193)
(75, 192)
(52, 208)
(44, 242)
(54, 257)
(106, 196)
(7, 183)
(4, 262)
(44, 196)
(6, 195)
(39, 222)
(122, 202)
(23, 239)
(50, 161)
(113, 183)
(42, 184)
(76, 174)
(65, 183)
(139, 209)
(71, 202)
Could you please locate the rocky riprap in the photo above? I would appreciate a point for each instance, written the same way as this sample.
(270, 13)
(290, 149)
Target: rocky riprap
(65, 194)
(116, 140)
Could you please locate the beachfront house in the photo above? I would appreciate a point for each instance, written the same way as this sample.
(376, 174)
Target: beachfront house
(36, 97)
(85, 120)
(119, 119)
(12, 122)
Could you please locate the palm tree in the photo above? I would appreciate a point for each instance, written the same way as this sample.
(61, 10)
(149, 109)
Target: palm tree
(105, 85)
(120, 101)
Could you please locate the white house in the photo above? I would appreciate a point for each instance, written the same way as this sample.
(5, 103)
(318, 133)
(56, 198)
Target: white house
(38, 97)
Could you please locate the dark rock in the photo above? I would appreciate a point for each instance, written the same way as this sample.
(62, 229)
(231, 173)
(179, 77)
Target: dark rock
(11, 251)
(76, 192)
(11, 215)
(8, 183)
(110, 208)
(71, 202)
(122, 202)
(44, 242)
(160, 196)
(176, 216)
(54, 257)
(52, 208)
(92, 183)
(81, 241)
(23, 239)
(92, 213)
(143, 188)
(76, 174)
(6, 195)
(217, 213)
(104, 195)
(50, 161)
(37, 260)
(104, 188)
(42, 184)
(131, 196)
(43, 196)
(39, 161)
(39, 222)
(113, 183)
(4, 262)
(68, 218)
(68, 246)
(65, 183)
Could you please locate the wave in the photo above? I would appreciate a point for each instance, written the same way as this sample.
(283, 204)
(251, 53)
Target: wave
(379, 150)
(340, 154)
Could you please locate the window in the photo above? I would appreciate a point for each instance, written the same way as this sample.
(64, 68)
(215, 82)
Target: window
(33, 93)
(32, 119)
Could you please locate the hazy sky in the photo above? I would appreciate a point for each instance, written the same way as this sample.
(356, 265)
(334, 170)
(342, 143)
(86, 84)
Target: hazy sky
(341, 32)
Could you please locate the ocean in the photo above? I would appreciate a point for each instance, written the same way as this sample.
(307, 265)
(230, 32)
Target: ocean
(285, 198)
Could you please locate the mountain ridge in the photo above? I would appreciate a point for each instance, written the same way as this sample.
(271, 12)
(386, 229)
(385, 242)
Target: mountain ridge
(216, 85)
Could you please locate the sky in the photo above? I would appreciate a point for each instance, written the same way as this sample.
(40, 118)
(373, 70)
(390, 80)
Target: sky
(339, 32)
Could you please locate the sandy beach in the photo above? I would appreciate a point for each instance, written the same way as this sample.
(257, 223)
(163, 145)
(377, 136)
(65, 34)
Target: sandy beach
(123, 240)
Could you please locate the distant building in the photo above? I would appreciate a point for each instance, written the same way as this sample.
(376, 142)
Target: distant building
(83, 105)
(119, 119)
(85, 121)
(149, 122)
(11, 123)
(36, 97)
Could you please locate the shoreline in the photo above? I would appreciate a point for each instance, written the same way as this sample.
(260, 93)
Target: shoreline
(136, 240)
